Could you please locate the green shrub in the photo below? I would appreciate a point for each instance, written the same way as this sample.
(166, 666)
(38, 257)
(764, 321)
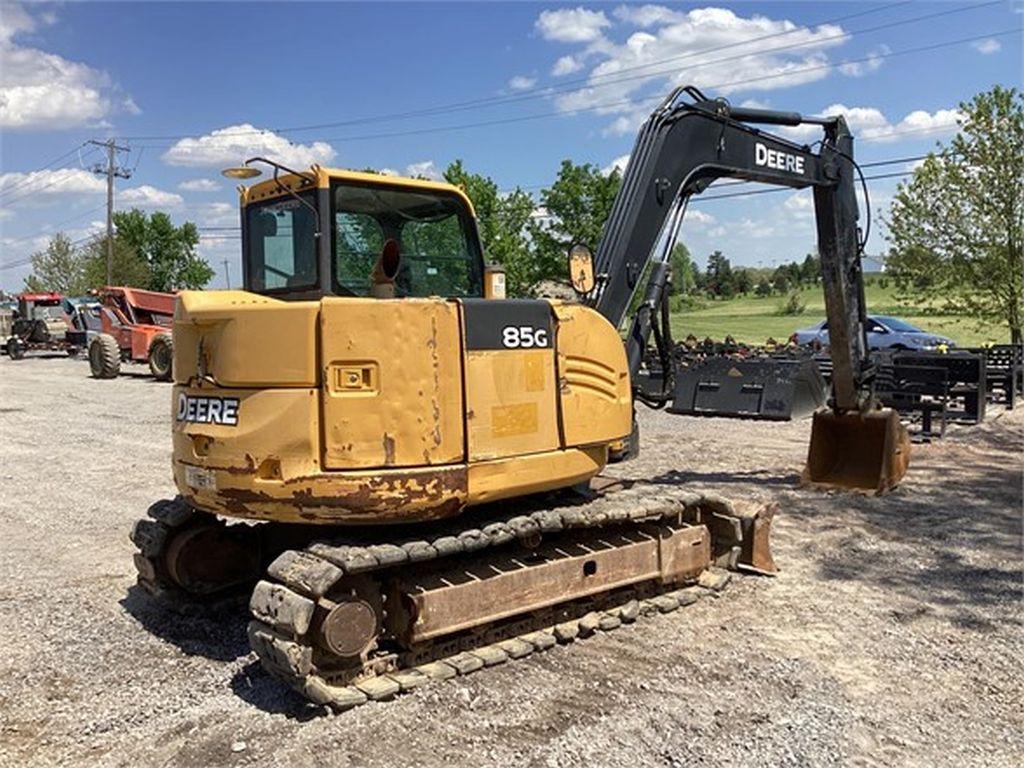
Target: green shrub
(793, 305)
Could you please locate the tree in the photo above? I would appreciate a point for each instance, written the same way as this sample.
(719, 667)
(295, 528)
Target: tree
(502, 221)
(719, 276)
(169, 251)
(764, 288)
(810, 270)
(577, 204)
(128, 269)
(742, 281)
(59, 268)
(683, 269)
(957, 227)
(781, 279)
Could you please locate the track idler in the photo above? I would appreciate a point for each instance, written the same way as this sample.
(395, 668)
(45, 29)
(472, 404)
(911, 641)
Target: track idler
(184, 554)
(857, 451)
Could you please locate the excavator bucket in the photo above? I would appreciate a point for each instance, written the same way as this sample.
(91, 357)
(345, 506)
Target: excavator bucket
(857, 451)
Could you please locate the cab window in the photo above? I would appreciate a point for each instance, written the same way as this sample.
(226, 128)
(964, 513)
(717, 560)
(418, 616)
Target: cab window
(359, 239)
(282, 245)
(433, 231)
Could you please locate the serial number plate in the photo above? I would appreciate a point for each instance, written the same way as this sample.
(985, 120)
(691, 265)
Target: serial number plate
(201, 479)
(198, 409)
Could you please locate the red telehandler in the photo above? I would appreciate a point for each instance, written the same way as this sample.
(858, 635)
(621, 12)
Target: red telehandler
(137, 328)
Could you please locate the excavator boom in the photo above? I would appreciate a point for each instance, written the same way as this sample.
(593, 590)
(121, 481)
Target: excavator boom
(682, 148)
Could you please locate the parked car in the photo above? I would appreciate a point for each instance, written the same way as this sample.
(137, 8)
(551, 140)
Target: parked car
(884, 332)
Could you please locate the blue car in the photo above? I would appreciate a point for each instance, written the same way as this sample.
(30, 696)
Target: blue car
(883, 333)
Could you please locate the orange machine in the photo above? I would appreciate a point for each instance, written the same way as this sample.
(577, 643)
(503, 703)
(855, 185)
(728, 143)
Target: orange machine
(137, 328)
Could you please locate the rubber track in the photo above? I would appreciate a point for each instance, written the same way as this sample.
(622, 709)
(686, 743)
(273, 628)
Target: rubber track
(151, 535)
(283, 605)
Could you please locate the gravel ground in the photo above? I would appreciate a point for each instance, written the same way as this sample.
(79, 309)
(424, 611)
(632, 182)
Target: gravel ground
(892, 636)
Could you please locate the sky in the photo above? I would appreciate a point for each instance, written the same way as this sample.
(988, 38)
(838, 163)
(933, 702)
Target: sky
(510, 88)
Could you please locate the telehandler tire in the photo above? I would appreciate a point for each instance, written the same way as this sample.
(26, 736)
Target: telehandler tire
(161, 357)
(104, 357)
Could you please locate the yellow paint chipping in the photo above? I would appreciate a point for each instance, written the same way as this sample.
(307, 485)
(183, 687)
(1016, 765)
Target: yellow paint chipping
(511, 420)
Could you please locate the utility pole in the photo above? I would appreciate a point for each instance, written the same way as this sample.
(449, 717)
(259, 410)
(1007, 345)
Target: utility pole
(227, 273)
(111, 171)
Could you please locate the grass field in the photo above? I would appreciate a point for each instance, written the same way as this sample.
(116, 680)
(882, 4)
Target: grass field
(752, 320)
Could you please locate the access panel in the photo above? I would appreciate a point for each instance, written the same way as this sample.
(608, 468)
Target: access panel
(391, 383)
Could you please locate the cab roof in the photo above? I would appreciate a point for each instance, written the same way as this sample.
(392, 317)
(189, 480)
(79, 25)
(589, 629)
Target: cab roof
(267, 189)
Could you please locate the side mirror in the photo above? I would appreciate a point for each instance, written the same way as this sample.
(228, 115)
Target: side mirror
(581, 269)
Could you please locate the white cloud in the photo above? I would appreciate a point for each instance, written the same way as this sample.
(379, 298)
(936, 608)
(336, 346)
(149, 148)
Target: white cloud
(46, 184)
(873, 62)
(426, 169)
(661, 47)
(920, 121)
(42, 90)
(618, 163)
(697, 217)
(199, 185)
(235, 143)
(987, 46)
(800, 205)
(870, 124)
(566, 66)
(145, 196)
(571, 25)
(647, 15)
(522, 83)
(217, 214)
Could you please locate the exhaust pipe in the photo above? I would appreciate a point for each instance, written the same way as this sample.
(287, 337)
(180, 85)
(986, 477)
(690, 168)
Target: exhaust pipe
(857, 451)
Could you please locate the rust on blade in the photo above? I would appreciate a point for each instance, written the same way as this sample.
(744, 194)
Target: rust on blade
(741, 537)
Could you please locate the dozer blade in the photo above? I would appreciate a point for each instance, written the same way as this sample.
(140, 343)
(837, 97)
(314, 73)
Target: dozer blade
(858, 451)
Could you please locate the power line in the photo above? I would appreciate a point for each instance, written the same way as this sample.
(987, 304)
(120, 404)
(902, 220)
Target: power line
(658, 98)
(67, 172)
(752, 192)
(614, 77)
(214, 231)
(55, 227)
(221, 234)
(27, 175)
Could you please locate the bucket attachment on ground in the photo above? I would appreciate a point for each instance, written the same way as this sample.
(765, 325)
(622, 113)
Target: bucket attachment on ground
(755, 389)
(857, 451)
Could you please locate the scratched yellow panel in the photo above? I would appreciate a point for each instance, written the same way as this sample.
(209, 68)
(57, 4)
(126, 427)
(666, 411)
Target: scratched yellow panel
(533, 374)
(391, 384)
(510, 402)
(510, 420)
(594, 387)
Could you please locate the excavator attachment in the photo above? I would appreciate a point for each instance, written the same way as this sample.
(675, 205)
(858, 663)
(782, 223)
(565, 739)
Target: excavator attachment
(857, 451)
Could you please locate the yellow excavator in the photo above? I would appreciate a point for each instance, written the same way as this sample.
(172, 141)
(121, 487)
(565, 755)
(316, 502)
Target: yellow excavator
(403, 465)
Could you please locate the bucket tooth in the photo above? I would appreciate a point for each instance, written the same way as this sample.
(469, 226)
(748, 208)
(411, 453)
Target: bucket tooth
(857, 451)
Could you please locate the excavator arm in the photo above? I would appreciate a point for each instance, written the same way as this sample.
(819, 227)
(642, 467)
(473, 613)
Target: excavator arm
(683, 147)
